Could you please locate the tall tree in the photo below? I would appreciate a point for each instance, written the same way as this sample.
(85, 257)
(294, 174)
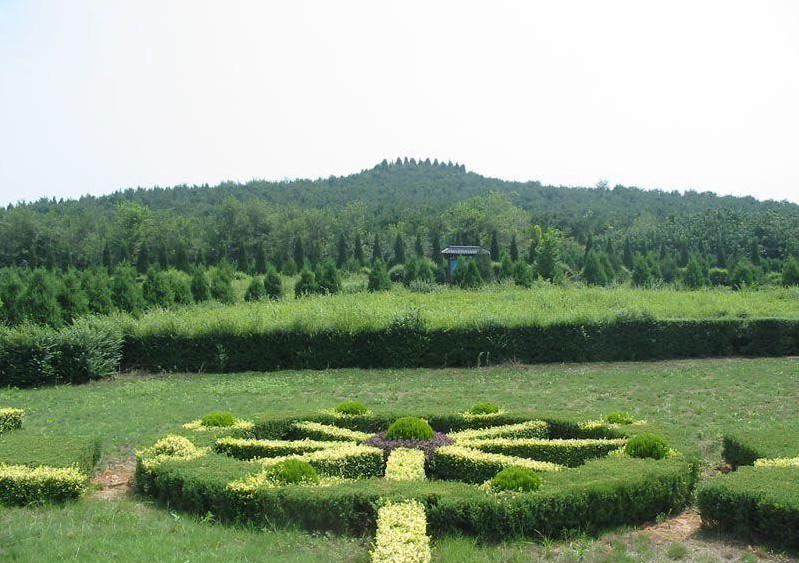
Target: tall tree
(399, 250)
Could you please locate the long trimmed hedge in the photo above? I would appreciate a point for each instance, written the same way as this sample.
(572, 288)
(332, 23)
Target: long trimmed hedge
(95, 347)
(228, 350)
(600, 494)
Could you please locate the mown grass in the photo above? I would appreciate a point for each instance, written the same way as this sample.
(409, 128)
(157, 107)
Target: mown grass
(450, 308)
(693, 402)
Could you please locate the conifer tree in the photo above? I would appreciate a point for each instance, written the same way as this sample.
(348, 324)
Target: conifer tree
(181, 258)
(273, 285)
(642, 273)
(514, 249)
(107, 263)
(628, 254)
(163, 260)
(743, 275)
(329, 281)
(11, 289)
(546, 261)
(494, 246)
(418, 246)
(290, 267)
(126, 293)
(200, 289)
(342, 252)
(39, 299)
(790, 272)
(299, 253)
(71, 297)
(306, 285)
(399, 250)
(358, 249)
(157, 289)
(256, 290)
(97, 285)
(593, 272)
(377, 252)
(522, 274)
(143, 259)
(435, 247)
(242, 259)
(378, 277)
(695, 275)
(260, 260)
(221, 282)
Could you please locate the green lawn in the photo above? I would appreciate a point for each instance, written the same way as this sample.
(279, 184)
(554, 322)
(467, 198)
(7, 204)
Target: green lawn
(692, 401)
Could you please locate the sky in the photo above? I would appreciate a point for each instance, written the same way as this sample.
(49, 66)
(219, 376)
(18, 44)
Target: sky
(102, 95)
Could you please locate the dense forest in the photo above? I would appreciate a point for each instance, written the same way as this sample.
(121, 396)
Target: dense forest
(166, 245)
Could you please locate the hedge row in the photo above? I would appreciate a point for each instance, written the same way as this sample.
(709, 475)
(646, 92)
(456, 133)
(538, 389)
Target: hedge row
(34, 355)
(242, 448)
(23, 485)
(744, 446)
(459, 463)
(754, 503)
(227, 351)
(600, 494)
(570, 453)
(93, 348)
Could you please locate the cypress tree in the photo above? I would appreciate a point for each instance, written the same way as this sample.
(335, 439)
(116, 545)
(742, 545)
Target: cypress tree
(299, 252)
(593, 272)
(260, 260)
(242, 260)
(180, 286)
(181, 258)
(143, 259)
(306, 285)
(273, 285)
(695, 275)
(522, 274)
(628, 254)
(494, 246)
(790, 272)
(256, 290)
(157, 289)
(743, 275)
(418, 246)
(73, 300)
(514, 249)
(399, 250)
(358, 250)
(39, 300)
(329, 281)
(642, 274)
(107, 256)
(546, 261)
(11, 288)
(377, 252)
(163, 260)
(126, 293)
(343, 254)
(221, 283)
(378, 277)
(97, 285)
(435, 247)
(200, 289)
(289, 267)
(506, 268)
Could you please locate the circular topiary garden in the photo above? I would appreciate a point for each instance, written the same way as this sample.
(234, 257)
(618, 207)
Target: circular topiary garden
(484, 472)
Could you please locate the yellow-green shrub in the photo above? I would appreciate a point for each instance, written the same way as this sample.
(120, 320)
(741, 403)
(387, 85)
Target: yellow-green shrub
(405, 464)
(20, 484)
(401, 534)
(11, 419)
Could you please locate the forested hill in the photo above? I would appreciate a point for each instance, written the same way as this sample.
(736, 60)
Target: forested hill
(415, 199)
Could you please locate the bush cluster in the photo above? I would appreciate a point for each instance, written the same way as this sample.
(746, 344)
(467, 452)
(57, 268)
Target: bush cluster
(292, 472)
(351, 408)
(11, 419)
(409, 428)
(484, 408)
(23, 485)
(218, 419)
(515, 478)
(647, 445)
(619, 417)
(37, 355)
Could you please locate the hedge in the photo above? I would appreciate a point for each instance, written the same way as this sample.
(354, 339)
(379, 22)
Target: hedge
(95, 347)
(242, 448)
(22, 485)
(570, 453)
(460, 463)
(35, 355)
(227, 350)
(744, 446)
(602, 493)
(11, 419)
(754, 503)
(32, 449)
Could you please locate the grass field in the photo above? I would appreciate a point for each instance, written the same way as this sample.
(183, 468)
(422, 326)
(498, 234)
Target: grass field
(449, 308)
(693, 402)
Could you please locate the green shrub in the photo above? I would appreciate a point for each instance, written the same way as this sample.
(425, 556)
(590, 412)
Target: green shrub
(293, 471)
(570, 453)
(516, 478)
(484, 408)
(744, 445)
(409, 427)
(34, 448)
(647, 446)
(244, 448)
(462, 463)
(222, 419)
(351, 408)
(11, 419)
(619, 417)
(23, 485)
(759, 503)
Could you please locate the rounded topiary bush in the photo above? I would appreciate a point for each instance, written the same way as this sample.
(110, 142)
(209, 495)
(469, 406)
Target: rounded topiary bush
(647, 446)
(351, 408)
(619, 417)
(515, 478)
(484, 408)
(293, 471)
(409, 427)
(218, 419)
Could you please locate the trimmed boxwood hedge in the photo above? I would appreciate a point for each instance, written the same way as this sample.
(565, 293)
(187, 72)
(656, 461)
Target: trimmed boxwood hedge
(600, 494)
(219, 349)
(743, 446)
(754, 503)
(570, 453)
(23, 447)
(92, 348)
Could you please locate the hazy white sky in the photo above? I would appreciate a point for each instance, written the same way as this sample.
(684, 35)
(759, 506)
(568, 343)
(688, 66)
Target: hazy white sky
(107, 94)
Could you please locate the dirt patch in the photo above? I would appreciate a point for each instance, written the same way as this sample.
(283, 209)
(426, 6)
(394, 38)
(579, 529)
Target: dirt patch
(677, 529)
(116, 480)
